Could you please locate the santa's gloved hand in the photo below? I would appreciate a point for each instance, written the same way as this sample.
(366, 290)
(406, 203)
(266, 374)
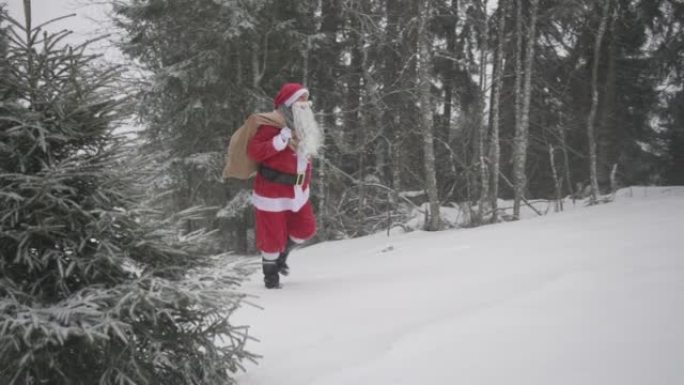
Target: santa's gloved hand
(285, 133)
(280, 141)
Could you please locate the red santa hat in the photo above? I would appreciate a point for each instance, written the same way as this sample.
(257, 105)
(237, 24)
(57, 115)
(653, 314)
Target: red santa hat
(289, 93)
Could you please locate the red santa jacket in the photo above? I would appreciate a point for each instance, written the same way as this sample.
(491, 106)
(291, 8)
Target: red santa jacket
(267, 148)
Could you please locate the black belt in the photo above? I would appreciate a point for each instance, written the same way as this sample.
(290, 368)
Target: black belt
(281, 177)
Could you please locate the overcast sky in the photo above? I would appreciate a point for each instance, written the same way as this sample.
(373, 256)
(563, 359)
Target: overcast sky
(90, 20)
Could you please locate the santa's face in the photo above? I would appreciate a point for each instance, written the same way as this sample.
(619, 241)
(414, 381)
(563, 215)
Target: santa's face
(306, 128)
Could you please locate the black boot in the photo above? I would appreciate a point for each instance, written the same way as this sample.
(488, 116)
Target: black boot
(283, 268)
(271, 277)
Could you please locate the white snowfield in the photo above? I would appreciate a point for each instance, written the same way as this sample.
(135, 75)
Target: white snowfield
(591, 296)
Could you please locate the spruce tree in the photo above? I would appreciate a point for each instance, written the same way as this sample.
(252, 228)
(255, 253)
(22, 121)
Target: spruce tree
(200, 86)
(95, 288)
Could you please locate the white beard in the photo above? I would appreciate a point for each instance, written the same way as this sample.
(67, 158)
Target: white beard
(308, 132)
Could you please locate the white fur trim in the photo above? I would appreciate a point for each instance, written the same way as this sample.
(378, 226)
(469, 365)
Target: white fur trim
(278, 143)
(298, 94)
(297, 240)
(302, 162)
(270, 257)
(275, 205)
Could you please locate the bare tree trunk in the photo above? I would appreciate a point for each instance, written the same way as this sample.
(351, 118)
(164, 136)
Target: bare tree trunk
(321, 191)
(522, 126)
(367, 109)
(518, 106)
(258, 70)
(482, 137)
(353, 97)
(494, 145)
(433, 222)
(29, 52)
(393, 66)
(330, 21)
(450, 73)
(483, 48)
(613, 179)
(372, 117)
(27, 18)
(556, 180)
(566, 159)
(608, 148)
(594, 103)
(305, 59)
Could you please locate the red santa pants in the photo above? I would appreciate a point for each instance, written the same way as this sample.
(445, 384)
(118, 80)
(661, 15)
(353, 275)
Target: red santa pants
(273, 228)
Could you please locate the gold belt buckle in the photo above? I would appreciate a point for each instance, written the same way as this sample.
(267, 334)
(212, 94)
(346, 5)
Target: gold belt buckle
(300, 179)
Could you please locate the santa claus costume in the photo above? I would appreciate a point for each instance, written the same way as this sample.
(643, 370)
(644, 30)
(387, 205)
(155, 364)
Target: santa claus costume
(284, 215)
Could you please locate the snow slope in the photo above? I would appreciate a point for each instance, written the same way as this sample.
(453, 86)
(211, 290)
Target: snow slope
(589, 296)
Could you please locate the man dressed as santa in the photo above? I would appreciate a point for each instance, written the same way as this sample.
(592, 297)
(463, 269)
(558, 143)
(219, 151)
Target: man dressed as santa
(284, 216)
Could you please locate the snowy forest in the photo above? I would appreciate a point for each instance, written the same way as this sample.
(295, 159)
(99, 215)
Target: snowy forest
(113, 212)
(425, 103)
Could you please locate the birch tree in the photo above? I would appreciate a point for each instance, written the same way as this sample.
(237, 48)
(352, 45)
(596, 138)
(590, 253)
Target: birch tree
(327, 52)
(482, 135)
(497, 83)
(523, 95)
(591, 134)
(424, 60)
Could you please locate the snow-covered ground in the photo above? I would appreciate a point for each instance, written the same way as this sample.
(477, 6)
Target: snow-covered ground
(589, 296)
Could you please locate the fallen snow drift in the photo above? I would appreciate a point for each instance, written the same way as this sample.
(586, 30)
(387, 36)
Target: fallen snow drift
(589, 296)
